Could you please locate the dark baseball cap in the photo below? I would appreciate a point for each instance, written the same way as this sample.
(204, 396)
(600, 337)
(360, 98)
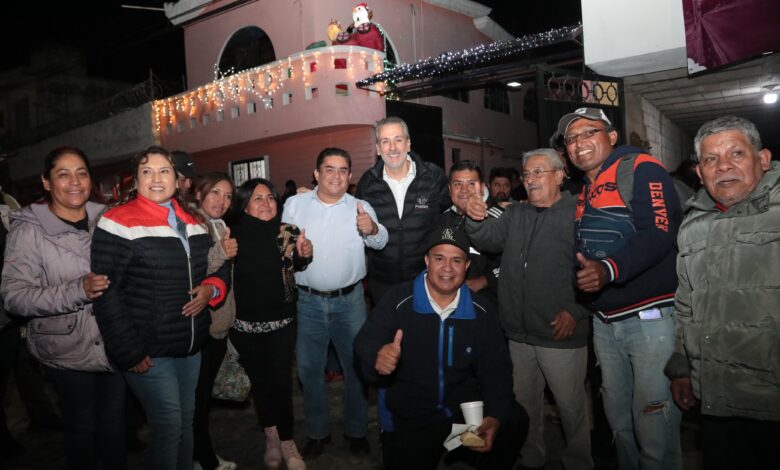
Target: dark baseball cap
(592, 114)
(182, 162)
(451, 235)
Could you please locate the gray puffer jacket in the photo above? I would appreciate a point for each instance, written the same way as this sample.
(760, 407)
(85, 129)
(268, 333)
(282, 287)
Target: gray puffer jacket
(45, 261)
(728, 303)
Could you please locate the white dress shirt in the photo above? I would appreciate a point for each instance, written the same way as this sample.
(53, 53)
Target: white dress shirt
(339, 250)
(399, 187)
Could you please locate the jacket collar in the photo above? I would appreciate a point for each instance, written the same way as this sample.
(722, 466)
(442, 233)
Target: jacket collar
(53, 225)
(162, 211)
(378, 169)
(465, 310)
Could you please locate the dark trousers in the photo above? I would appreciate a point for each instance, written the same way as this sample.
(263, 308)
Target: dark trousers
(9, 347)
(211, 357)
(377, 290)
(729, 443)
(33, 390)
(422, 449)
(267, 359)
(93, 412)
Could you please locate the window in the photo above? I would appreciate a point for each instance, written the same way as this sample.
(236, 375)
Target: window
(244, 170)
(248, 47)
(497, 99)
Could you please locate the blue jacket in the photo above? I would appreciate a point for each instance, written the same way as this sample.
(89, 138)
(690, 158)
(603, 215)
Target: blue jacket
(637, 244)
(443, 363)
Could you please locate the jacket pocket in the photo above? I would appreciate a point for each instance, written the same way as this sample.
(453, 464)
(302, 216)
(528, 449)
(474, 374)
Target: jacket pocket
(56, 325)
(57, 339)
(758, 238)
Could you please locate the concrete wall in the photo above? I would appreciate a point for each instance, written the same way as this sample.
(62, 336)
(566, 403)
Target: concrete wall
(628, 37)
(508, 135)
(667, 140)
(104, 142)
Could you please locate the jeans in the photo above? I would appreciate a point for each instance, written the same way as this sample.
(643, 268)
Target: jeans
(167, 393)
(320, 320)
(638, 403)
(563, 370)
(93, 412)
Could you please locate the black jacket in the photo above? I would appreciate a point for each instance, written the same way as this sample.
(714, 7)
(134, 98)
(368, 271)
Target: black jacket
(140, 313)
(427, 197)
(443, 363)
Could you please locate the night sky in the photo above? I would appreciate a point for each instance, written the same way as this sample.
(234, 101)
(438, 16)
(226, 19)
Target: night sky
(123, 44)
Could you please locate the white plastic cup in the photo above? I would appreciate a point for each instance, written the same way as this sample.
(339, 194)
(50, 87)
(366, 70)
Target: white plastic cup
(472, 412)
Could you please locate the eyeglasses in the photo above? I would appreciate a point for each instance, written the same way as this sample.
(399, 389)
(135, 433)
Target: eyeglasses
(534, 174)
(586, 134)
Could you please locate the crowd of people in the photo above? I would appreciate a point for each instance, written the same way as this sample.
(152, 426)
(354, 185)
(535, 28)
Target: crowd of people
(480, 292)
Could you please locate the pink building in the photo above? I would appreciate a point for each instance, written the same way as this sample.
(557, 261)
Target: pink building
(291, 99)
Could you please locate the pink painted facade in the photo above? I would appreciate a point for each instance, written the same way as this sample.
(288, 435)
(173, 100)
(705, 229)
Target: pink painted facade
(312, 107)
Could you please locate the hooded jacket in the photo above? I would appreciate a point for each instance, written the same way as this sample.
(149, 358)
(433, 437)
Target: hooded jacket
(45, 261)
(728, 303)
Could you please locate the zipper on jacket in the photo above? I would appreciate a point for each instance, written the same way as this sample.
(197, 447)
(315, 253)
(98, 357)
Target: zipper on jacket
(440, 405)
(192, 317)
(450, 334)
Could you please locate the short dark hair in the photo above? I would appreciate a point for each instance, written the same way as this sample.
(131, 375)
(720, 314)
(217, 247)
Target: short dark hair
(500, 172)
(334, 152)
(464, 165)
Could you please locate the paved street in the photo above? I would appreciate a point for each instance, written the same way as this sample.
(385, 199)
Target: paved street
(238, 437)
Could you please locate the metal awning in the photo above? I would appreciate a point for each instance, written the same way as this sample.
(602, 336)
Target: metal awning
(497, 62)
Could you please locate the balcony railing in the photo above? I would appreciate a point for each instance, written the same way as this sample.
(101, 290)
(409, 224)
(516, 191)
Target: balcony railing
(313, 88)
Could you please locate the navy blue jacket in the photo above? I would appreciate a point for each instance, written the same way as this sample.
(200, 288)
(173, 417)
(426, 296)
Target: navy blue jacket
(151, 274)
(443, 363)
(638, 243)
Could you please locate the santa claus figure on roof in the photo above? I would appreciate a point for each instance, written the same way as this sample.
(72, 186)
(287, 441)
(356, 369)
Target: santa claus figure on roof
(362, 32)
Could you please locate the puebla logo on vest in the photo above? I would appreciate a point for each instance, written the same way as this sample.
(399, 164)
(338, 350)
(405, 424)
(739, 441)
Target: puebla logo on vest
(421, 203)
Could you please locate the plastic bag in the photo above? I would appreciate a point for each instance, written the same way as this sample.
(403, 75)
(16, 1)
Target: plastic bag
(231, 383)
